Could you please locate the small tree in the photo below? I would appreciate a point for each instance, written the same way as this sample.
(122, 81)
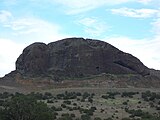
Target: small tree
(23, 107)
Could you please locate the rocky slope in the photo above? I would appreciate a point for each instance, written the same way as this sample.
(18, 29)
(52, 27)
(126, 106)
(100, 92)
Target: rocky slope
(89, 62)
(77, 57)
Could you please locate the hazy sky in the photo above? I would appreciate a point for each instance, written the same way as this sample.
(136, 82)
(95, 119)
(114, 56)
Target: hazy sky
(131, 25)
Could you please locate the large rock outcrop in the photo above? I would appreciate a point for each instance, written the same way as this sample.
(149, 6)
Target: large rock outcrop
(77, 57)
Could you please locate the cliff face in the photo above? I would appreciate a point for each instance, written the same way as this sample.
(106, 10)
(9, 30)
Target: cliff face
(33, 60)
(77, 57)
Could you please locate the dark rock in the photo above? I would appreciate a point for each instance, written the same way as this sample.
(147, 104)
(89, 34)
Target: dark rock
(34, 59)
(155, 73)
(77, 57)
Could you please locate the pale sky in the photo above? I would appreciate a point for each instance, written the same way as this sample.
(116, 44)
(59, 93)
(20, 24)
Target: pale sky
(133, 26)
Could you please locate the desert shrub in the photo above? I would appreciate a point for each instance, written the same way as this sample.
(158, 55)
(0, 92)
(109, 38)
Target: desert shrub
(129, 94)
(85, 95)
(85, 117)
(63, 105)
(5, 95)
(125, 103)
(93, 108)
(90, 100)
(78, 94)
(73, 115)
(110, 95)
(65, 116)
(150, 96)
(67, 102)
(75, 104)
(25, 107)
(50, 101)
(58, 109)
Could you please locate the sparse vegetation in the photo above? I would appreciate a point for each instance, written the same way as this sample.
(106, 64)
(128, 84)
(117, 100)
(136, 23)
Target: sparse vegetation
(80, 106)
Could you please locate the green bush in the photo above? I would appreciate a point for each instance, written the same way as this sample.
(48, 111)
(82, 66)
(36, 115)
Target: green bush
(23, 107)
(85, 117)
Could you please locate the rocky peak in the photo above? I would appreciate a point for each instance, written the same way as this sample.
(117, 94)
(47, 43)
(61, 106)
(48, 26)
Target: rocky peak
(77, 57)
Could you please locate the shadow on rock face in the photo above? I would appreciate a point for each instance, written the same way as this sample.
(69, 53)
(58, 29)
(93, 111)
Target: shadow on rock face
(77, 57)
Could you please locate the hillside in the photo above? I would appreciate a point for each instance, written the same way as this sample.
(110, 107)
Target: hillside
(78, 58)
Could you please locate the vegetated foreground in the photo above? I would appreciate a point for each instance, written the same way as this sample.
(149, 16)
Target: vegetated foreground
(82, 104)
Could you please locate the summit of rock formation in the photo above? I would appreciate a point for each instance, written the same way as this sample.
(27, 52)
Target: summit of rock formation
(77, 57)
